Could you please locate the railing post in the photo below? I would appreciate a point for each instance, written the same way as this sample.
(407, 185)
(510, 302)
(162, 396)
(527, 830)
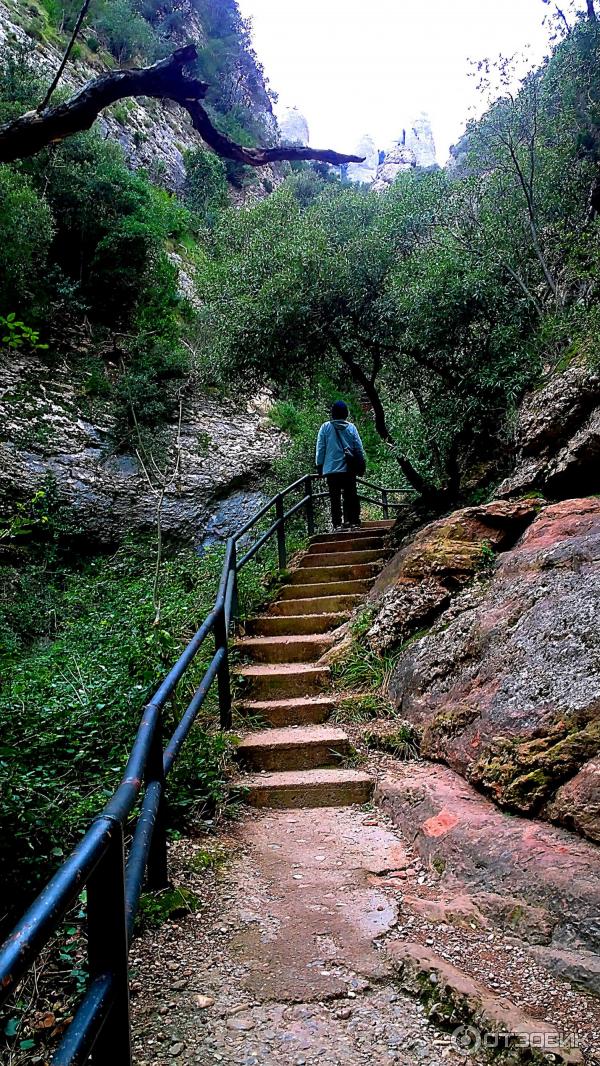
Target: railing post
(384, 504)
(281, 548)
(235, 602)
(107, 949)
(310, 506)
(157, 871)
(223, 678)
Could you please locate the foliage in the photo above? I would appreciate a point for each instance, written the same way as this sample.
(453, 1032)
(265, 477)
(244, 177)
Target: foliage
(15, 334)
(80, 656)
(73, 694)
(436, 301)
(126, 33)
(205, 183)
(27, 228)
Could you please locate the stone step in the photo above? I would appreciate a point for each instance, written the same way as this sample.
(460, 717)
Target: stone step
(332, 588)
(290, 625)
(284, 680)
(309, 710)
(367, 529)
(345, 558)
(308, 788)
(365, 544)
(326, 574)
(302, 748)
(315, 605)
(298, 648)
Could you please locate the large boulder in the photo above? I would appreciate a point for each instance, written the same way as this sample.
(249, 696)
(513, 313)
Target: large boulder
(577, 803)
(440, 559)
(506, 686)
(397, 161)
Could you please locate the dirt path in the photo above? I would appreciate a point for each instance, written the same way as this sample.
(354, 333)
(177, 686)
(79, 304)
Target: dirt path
(288, 947)
(290, 958)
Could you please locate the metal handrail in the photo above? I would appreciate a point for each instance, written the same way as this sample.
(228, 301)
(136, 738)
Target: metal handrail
(98, 862)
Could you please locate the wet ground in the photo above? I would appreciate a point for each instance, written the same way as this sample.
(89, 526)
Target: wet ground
(286, 960)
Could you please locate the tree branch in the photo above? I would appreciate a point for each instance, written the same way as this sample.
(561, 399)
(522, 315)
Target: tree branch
(65, 58)
(591, 10)
(164, 80)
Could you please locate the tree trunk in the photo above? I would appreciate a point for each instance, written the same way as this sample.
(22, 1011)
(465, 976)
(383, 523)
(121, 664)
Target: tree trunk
(414, 478)
(591, 10)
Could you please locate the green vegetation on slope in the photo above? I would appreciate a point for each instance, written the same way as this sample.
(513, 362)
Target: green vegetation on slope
(80, 653)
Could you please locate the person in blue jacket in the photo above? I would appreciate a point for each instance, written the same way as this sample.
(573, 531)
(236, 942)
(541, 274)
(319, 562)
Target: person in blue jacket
(334, 436)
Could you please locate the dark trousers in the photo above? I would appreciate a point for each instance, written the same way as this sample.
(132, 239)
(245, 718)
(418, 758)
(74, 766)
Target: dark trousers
(343, 487)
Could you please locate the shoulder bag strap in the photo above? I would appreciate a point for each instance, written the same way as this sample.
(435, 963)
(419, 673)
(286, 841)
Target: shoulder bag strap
(343, 446)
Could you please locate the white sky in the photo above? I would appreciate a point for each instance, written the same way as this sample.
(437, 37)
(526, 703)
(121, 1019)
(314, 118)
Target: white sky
(371, 66)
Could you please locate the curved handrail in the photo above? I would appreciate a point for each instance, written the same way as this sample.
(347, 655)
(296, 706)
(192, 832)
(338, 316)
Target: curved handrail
(98, 862)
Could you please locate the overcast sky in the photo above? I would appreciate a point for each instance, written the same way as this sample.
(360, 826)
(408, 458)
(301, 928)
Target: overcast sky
(371, 66)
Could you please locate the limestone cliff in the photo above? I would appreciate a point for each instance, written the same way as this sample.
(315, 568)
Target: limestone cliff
(413, 149)
(50, 427)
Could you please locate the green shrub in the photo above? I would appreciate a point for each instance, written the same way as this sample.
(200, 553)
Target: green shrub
(126, 33)
(206, 190)
(26, 232)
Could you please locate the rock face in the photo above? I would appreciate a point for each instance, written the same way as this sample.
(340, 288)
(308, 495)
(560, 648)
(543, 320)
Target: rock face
(414, 148)
(397, 161)
(440, 559)
(293, 127)
(558, 437)
(506, 686)
(577, 804)
(551, 875)
(420, 140)
(49, 428)
(364, 173)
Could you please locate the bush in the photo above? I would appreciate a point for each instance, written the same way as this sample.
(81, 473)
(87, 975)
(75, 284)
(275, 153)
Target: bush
(126, 33)
(26, 232)
(81, 656)
(206, 190)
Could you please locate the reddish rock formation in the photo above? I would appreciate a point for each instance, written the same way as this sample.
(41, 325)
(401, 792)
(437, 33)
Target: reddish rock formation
(441, 558)
(506, 687)
(577, 804)
(538, 881)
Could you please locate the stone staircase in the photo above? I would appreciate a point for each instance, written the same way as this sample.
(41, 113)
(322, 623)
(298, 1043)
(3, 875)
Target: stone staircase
(295, 760)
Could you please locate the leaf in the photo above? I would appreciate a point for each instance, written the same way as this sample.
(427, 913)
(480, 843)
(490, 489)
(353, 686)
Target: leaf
(45, 1021)
(26, 1044)
(11, 1027)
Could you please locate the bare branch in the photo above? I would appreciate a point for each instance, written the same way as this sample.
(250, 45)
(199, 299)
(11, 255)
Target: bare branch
(65, 58)
(164, 80)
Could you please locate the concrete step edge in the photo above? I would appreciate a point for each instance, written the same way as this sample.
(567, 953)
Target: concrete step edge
(289, 737)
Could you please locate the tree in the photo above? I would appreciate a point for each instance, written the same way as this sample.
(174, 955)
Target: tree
(295, 288)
